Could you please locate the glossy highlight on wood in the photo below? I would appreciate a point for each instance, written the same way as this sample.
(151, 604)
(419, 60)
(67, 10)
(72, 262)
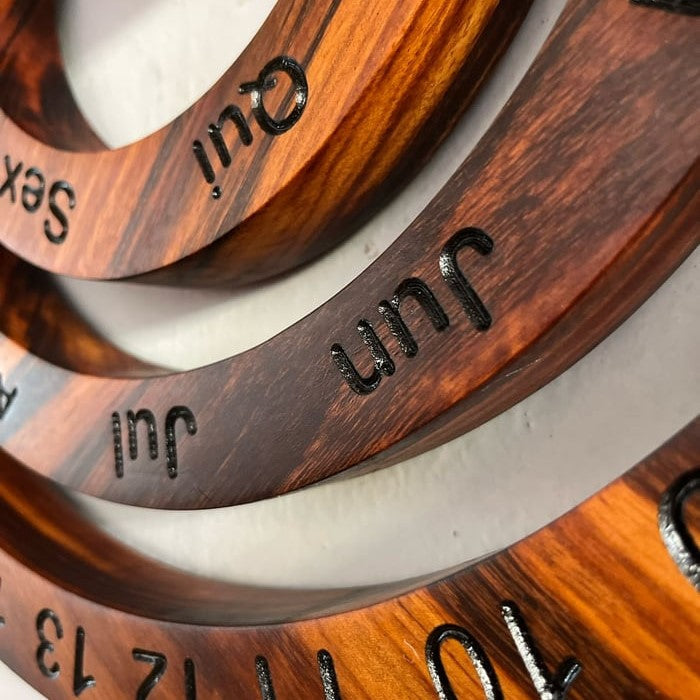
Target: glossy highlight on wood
(587, 187)
(593, 601)
(332, 106)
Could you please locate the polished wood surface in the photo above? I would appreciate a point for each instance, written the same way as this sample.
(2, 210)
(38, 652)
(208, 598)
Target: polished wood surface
(384, 84)
(596, 602)
(586, 187)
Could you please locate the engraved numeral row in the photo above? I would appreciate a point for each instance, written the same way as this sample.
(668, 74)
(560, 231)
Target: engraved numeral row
(159, 662)
(548, 686)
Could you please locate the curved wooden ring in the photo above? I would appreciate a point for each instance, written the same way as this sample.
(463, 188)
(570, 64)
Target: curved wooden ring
(598, 599)
(171, 201)
(551, 262)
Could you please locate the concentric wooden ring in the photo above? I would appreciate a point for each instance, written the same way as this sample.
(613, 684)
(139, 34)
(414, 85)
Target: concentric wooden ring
(253, 179)
(582, 198)
(601, 599)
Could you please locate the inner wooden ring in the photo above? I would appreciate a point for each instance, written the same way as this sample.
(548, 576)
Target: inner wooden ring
(328, 110)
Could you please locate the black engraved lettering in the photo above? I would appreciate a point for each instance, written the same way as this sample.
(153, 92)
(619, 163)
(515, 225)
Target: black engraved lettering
(257, 88)
(414, 287)
(262, 671)
(689, 7)
(45, 646)
(9, 184)
(190, 680)
(233, 114)
(548, 687)
(81, 682)
(144, 415)
(471, 302)
(6, 398)
(118, 449)
(203, 159)
(383, 364)
(480, 661)
(391, 313)
(174, 414)
(329, 679)
(160, 664)
(59, 214)
(675, 534)
(32, 197)
(151, 430)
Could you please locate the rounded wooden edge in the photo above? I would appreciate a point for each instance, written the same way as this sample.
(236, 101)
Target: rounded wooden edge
(601, 598)
(545, 279)
(36, 316)
(170, 208)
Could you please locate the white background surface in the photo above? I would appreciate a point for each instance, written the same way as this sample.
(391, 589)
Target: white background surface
(135, 65)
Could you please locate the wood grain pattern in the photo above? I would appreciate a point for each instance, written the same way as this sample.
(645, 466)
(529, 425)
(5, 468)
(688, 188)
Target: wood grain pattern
(34, 91)
(597, 585)
(386, 83)
(35, 313)
(588, 186)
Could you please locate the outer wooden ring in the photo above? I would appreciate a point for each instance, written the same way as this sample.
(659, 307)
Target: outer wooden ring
(588, 208)
(384, 85)
(596, 600)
